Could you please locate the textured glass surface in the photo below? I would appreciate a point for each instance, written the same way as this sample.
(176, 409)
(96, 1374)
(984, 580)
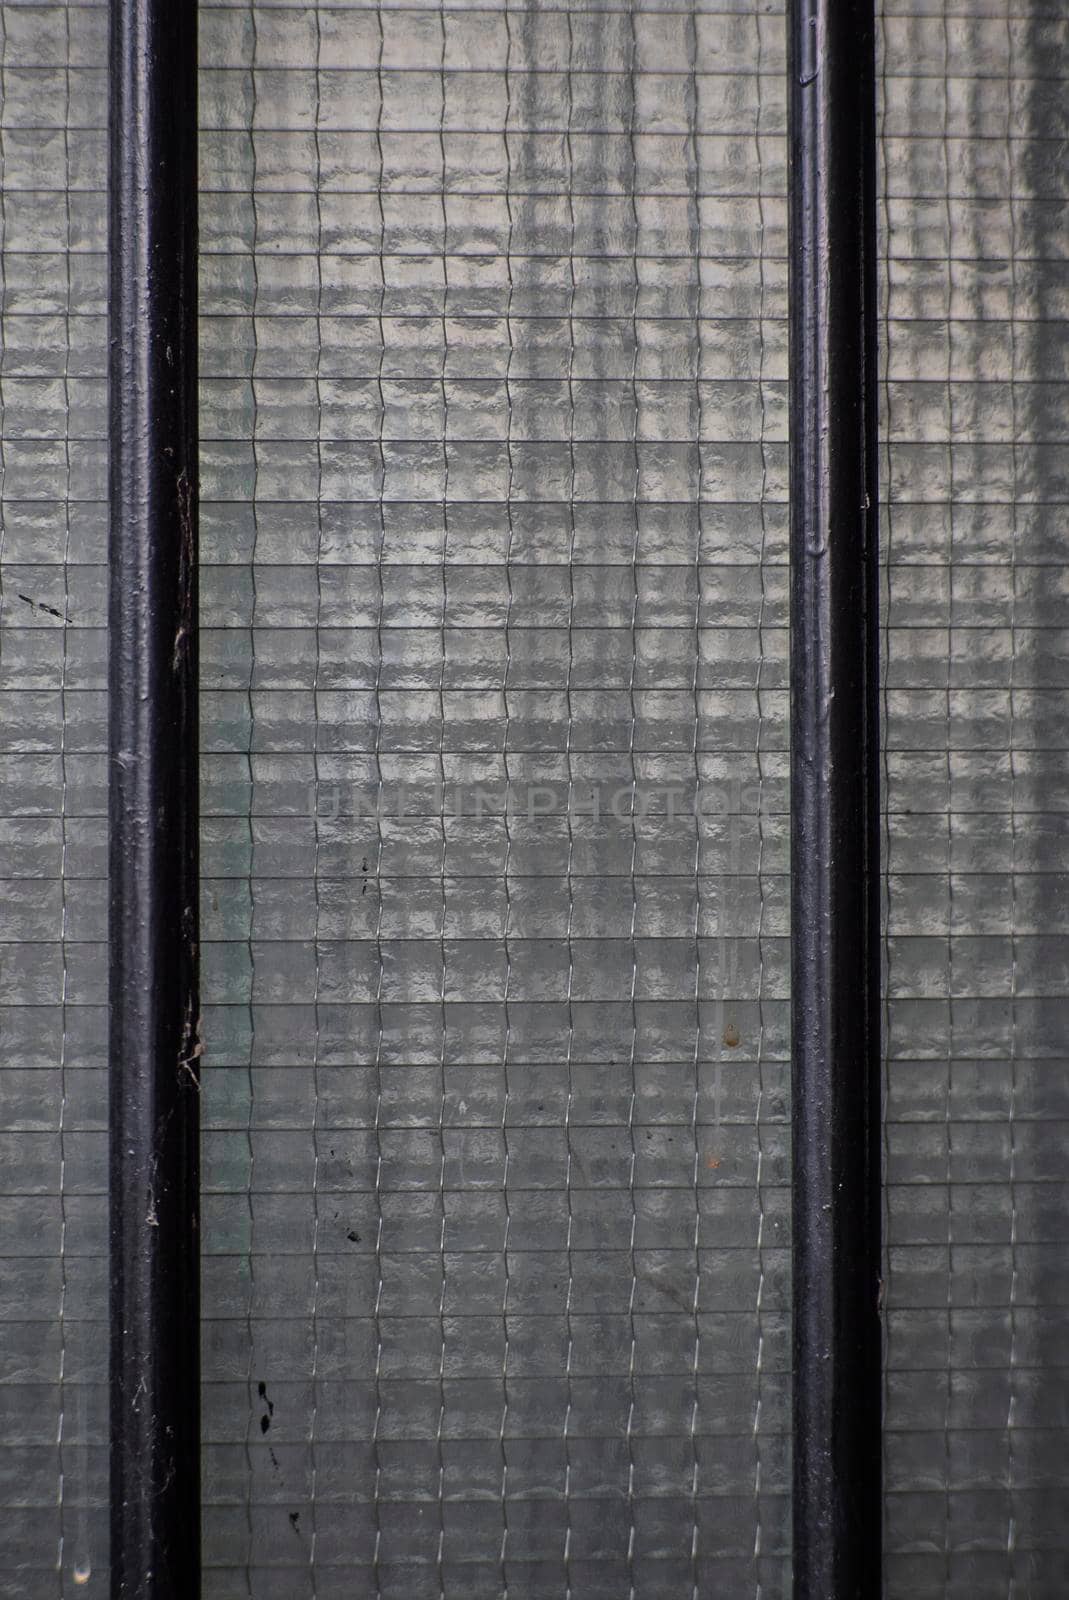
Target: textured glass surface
(53, 1336)
(976, 469)
(494, 482)
(495, 1206)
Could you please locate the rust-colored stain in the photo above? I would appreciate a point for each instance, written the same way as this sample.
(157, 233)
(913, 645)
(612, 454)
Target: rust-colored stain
(712, 1162)
(731, 1036)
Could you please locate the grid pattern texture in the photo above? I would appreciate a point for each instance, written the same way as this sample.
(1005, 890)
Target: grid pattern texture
(494, 479)
(975, 481)
(53, 1343)
(494, 500)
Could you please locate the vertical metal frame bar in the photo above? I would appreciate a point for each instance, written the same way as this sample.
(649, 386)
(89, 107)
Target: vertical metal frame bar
(152, 791)
(834, 801)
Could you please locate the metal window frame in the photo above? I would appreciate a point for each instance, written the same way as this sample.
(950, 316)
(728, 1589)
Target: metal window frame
(835, 852)
(154, 1021)
(153, 810)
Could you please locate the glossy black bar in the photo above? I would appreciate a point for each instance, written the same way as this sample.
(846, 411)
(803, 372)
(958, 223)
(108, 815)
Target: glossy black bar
(834, 802)
(152, 794)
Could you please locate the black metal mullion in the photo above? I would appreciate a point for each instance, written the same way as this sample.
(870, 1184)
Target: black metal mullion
(152, 790)
(834, 802)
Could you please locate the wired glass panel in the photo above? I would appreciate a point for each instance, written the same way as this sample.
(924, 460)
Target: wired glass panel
(496, 1222)
(494, 481)
(975, 293)
(53, 528)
